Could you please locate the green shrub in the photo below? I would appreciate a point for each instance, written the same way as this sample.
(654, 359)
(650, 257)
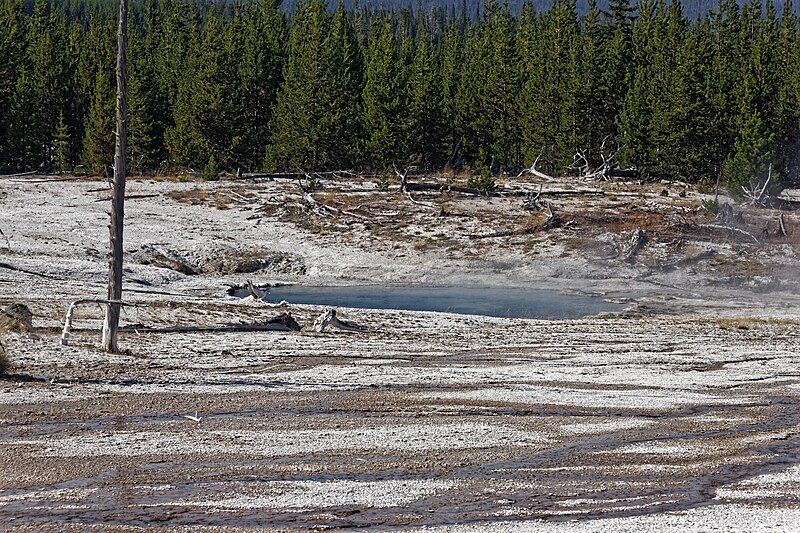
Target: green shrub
(211, 171)
(484, 182)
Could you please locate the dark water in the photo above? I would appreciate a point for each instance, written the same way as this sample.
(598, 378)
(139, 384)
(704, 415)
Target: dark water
(499, 302)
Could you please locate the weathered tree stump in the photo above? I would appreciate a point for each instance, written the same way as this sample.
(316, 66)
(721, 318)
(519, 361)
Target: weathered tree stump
(636, 243)
(328, 318)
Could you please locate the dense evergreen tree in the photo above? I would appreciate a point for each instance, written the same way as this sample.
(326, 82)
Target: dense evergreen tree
(450, 64)
(346, 79)
(551, 88)
(146, 148)
(12, 39)
(98, 142)
(488, 97)
(427, 134)
(301, 123)
(205, 113)
(384, 109)
(261, 59)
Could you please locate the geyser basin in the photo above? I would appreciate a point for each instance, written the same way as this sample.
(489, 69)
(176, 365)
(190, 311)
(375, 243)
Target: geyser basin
(498, 302)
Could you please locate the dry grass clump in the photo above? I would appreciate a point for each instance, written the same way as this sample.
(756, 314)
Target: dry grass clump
(221, 200)
(192, 196)
(745, 322)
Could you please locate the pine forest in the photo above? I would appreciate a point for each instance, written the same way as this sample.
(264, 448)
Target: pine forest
(249, 87)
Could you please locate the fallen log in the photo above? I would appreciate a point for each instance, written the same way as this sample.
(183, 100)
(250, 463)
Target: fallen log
(19, 174)
(282, 322)
(24, 271)
(149, 254)
(287, 175)
(50, 178)
(130, 197)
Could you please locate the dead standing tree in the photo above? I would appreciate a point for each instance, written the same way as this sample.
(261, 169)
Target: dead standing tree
(111, 322)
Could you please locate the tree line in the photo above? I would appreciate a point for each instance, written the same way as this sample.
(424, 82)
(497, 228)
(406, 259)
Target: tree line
(249, 87)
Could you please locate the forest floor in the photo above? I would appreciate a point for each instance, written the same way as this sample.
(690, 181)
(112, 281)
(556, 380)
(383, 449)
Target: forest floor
(681, 412)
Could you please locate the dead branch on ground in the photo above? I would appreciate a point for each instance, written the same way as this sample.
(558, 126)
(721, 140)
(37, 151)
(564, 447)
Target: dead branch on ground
(405, 190)
(552, 221)
(325, 210)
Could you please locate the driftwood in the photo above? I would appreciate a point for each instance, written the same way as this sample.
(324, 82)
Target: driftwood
(781, 225)
(552, 220)
(71, 311)
(329, 318)
(533, 171)
(255, 292)
(636, 243)
(16, 317)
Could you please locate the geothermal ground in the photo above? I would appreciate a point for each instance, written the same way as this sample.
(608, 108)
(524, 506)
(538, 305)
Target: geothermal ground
(681, 412)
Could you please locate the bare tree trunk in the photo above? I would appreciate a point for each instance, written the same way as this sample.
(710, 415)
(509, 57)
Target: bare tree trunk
(111, 322)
